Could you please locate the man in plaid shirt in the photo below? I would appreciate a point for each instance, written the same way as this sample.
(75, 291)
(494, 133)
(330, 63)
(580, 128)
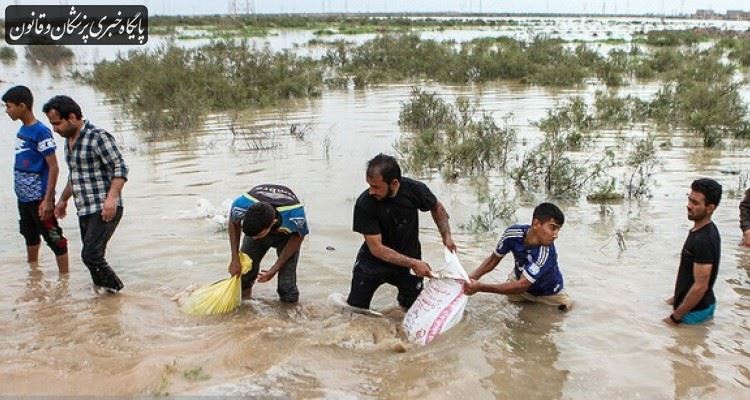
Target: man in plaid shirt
(97, 173)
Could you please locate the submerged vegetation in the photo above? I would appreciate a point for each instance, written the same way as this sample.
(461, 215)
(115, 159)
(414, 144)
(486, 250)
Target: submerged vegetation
(172, 87)
(7, 54)
(455, 139)
(49, 54)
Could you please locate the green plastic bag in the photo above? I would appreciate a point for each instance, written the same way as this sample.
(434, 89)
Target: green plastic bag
(219, 297)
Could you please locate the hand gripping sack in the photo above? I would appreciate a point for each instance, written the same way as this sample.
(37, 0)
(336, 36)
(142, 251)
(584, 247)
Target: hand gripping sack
(441, 304)
(219, 297)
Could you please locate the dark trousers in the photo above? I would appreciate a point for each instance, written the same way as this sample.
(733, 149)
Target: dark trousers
(95, 233)
(287, 275)
(368, 276)
(31, 226)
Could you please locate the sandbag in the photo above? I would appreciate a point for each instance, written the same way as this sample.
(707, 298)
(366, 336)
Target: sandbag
(219, 297)
(441, 304)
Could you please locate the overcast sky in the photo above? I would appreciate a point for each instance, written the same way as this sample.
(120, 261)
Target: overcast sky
(192, 7)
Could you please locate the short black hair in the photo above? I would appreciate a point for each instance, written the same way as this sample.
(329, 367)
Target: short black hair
(710, 188)
(19, 95)
(257, 218)
(384, 165)
(547, 211)
(64, 106)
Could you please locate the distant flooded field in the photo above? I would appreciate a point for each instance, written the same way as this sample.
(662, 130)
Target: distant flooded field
(619, 259)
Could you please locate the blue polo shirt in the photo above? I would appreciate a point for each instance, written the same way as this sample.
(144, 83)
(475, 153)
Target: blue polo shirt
(33, 143)
(537, 263)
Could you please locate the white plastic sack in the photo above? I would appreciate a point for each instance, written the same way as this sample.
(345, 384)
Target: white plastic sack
(441, 304)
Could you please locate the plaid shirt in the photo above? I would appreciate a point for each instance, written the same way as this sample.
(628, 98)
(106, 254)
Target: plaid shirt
(93, 162)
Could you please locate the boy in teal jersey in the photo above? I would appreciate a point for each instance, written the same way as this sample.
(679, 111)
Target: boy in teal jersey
(269, 216)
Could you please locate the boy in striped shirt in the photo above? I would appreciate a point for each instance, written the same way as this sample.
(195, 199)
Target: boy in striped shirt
(536, 275)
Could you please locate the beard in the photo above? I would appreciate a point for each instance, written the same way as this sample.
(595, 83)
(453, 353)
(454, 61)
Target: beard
(697, 216)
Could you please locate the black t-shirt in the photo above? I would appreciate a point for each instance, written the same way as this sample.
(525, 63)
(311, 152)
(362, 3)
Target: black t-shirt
(703, 247)
(395, 219)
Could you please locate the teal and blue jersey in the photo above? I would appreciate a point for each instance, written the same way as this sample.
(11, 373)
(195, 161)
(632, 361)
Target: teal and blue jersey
(291, 212)
(33, 143)
(537, 263)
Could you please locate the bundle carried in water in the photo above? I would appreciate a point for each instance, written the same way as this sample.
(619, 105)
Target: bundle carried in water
(219, 297)
(440, 305)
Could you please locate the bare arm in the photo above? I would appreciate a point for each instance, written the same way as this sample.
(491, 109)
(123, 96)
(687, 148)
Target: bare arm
(701, 278)
(113, 195)
(441, 218)
(235, 268)
(292, 246)
(387, 254)
(511, 287)
(62, 204)
(486, 266)
(47, 206)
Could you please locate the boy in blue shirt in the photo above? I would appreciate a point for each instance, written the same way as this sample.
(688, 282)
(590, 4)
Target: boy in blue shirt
(35, 177)
(536, 276)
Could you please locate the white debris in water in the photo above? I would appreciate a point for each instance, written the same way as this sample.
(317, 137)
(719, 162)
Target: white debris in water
(204, 209)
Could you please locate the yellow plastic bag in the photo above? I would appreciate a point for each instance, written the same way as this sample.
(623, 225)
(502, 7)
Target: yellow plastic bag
(219, 297)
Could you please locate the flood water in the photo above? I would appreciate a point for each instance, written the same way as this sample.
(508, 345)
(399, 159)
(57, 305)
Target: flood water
(57, 337)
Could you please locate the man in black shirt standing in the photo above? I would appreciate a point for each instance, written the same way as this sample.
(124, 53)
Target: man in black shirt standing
(693, 301)
(386, 215)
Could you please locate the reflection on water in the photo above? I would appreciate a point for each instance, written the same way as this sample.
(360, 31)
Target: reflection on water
(692, 378)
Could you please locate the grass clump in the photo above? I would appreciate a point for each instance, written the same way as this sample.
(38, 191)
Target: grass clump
(550, 169)
(455, 139)
(395, 57)
(673, 38)
(196, 374)
(494, 212)
(49, 54)
(570, 121)
(171, 87)
(7, 54)
(700, 95)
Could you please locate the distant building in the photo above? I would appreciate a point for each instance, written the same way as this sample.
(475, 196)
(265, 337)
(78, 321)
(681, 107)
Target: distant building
(737, 14)
(704, 14)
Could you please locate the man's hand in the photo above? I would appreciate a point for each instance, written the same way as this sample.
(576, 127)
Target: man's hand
(235, 268)
(669, 321)
(109, 209)
(46, 209)
(60, 209)
(421, 269)
(267, 274)
(471, 286)
(450, 245)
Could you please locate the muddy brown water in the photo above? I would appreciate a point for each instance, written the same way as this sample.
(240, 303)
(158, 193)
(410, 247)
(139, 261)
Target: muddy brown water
(57, 337)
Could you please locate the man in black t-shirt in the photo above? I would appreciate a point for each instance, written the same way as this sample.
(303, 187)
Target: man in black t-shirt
(386, 215)
(693, 301)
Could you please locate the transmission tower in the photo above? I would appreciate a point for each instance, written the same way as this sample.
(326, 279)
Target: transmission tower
(238, 7)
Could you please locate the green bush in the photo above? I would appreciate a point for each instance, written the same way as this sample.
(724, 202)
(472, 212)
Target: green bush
(455, 139)
(172, 88)
(7, 54)
(49, 54)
